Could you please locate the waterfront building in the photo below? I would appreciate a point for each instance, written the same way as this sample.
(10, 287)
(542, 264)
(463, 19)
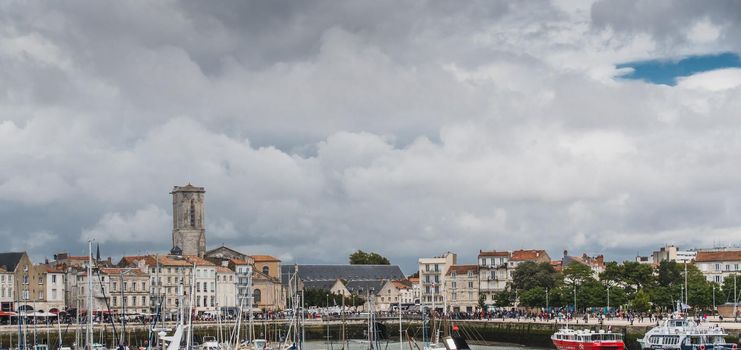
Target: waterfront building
(717, 265)
(128, 290)
(672, 253)
(51, 291)
(361, 280)
(226, 289)
(411, 294)
(7, 290)
(268, 291)
(387, 297)
(462, 288)
(24, 275)
(493, 275)
(188, 231)
(170, 279)
(432, 273)
(597, 263)
(223, 254)
(519, 256)
(205, 285)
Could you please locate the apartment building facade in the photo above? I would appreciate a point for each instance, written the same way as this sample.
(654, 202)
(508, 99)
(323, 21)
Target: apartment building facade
(493, 273)
(432, 272)
(462, 288)
(716, 266)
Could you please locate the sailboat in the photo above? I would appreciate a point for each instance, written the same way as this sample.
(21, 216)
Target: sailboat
(434, 343)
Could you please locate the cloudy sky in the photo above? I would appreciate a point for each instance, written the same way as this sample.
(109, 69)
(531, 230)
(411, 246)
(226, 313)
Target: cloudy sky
(408, 128)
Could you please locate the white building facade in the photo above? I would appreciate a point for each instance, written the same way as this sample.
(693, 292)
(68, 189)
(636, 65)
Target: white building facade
(432, 273)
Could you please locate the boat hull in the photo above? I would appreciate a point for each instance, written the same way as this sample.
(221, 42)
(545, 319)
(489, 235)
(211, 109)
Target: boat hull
(578, 345)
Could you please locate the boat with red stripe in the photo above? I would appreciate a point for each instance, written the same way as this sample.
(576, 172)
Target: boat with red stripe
(585, 339)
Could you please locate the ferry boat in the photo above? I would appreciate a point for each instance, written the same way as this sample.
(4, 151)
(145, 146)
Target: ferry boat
(571, 339)
(680, 334)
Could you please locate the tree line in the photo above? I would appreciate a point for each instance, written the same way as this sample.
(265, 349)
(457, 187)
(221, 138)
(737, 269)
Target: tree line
(632, 286)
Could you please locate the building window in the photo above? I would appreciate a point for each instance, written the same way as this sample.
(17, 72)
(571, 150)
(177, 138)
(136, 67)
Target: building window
(192, 213)
(265, 270)
(717, 267)
(470, 284)
(257, 296)
(54, 279)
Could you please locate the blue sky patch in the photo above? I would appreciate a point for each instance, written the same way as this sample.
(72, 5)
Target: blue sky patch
(667, 71)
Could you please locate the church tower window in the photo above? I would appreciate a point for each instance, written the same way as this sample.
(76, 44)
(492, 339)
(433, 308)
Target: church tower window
(192, 213)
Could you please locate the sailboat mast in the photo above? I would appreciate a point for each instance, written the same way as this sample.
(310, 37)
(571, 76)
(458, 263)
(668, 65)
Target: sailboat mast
(89, 332)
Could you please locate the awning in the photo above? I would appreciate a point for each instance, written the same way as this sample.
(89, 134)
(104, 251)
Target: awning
(7, 313)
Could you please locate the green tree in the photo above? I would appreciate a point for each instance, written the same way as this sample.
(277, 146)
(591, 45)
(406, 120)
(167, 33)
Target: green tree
(534, 297)
(618, 297)
(665, 297)
(482, 301)
(725, 294)
(529, 275)
(591, 294)
(362, 258)
(576, 273)
(670, 274)
(641, 302)
(638, 275)
(504, 298)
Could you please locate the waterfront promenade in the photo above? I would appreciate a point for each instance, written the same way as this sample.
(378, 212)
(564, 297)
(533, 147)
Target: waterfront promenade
(592, 322)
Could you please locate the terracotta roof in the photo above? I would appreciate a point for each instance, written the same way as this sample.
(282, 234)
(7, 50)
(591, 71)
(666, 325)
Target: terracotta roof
(462, 269)
(50, 269)
(239, 262)
(492, 253)
(2, 269)
(729, 255)
(198, 261)
(223, 269)
(127, 272)
(78, 258)
(151, 261)
(264, 258)
(414, 280)
(526, 255)
(402, 284)
(132, 259)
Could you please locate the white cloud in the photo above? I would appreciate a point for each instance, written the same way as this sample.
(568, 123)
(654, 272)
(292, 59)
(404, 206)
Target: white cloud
(715, 80)
(409, 130)
(148, 224)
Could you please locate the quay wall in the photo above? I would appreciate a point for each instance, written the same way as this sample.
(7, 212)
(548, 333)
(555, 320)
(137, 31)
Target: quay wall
(532, 334)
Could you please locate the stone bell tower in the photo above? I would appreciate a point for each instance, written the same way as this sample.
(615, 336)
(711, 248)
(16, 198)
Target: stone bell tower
(188, 229)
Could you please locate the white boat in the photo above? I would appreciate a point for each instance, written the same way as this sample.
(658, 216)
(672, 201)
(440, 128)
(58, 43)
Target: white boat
(681, 334)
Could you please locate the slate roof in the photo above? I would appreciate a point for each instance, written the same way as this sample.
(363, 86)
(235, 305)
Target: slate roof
(11, 260)
(361, 287)
(344, 272)
(323, 285)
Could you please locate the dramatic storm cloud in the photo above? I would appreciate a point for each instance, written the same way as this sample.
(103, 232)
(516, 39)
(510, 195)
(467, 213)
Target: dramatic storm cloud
(412, 128)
